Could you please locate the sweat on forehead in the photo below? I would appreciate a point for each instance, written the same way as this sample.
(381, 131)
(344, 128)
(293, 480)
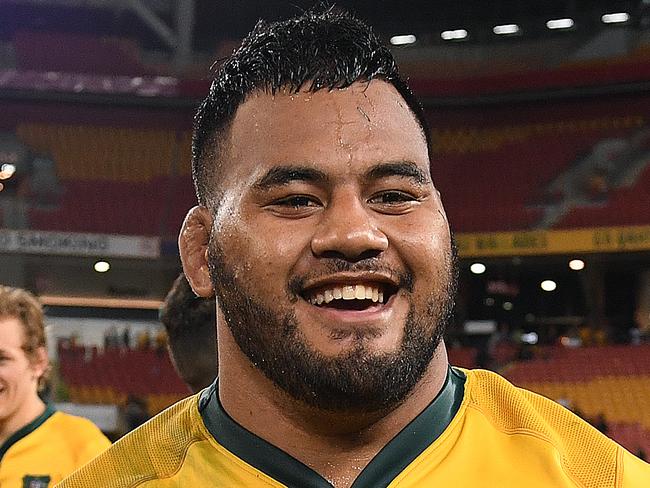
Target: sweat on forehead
(341, 114)
(366, 123)
(353, 124)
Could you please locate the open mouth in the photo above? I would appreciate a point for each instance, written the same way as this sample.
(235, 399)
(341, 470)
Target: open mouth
(358, 296)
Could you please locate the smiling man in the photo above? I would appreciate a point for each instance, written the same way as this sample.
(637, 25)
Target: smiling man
(332, 236)
(324, 239)
(39, 445)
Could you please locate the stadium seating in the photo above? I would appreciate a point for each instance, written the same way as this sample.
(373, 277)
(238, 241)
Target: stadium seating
(76, 53)
(115, 180)
(508, 167)
(120, 154)
(631, 436)
(464, 357)
(110, 376)
(610, 380)
(625, 206)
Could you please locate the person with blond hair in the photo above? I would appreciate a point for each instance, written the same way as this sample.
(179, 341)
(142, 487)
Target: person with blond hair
(39, 446)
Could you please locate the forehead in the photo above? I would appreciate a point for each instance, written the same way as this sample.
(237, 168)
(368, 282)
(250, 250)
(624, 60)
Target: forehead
(363, 123)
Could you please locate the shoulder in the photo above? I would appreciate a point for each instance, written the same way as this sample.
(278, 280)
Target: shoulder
(62, 420)
(155, 450)
(512, 409)
(82, 438)
(509, 406)
(584, 453)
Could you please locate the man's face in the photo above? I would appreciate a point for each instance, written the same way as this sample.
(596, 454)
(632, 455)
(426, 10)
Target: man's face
(18, 375)
(330, 252)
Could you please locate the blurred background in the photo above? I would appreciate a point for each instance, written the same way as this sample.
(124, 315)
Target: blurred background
(540, 117)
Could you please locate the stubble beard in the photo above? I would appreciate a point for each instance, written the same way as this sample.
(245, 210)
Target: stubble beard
(359, 381)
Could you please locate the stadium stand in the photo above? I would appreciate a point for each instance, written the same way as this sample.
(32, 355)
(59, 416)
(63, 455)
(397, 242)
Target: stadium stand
(464, 357)
(76, 53)
(610, 380)
(510, 169)
(624, 206)
(107, 377)
(119, 154)
(114, 179)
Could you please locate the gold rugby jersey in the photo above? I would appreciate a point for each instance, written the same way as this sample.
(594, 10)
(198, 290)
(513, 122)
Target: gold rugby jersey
(48, 449)
(480, 431)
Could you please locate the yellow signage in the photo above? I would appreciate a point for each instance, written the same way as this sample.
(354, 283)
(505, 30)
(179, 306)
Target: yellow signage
(539, 242)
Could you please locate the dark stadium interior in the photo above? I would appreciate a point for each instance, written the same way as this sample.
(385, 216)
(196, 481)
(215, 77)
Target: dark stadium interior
(541, 150)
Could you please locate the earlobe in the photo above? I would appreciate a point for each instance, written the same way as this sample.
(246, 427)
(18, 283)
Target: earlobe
(193, 246)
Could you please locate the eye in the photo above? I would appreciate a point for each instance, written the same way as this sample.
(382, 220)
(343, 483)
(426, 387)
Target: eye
(297, 201)
(393, 201)
(392, 197)
(295, 206)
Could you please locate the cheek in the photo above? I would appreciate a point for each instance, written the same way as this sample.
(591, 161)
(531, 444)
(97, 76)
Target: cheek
(426, 249)
(14, 376)
(264, 253)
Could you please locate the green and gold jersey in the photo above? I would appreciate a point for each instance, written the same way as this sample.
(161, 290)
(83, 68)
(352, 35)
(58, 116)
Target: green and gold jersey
(48, 449)
(480, 431)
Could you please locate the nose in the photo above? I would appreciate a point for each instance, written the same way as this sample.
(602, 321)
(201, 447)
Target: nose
(348, 231)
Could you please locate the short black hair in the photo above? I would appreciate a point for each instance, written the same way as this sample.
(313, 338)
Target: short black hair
(324, 48)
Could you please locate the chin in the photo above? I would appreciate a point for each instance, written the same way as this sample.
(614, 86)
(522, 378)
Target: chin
(367, 342)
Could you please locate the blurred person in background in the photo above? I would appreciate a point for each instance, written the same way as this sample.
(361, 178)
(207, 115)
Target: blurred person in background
(144, 340)
(39, 446)
(126, 338)
(191, 331)
(135, 412)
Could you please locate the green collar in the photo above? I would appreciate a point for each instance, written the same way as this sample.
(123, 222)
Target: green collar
(26, 430)
(387, 464)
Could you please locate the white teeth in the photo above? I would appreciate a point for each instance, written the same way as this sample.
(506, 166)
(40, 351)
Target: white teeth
(348, 292)
(360, 292)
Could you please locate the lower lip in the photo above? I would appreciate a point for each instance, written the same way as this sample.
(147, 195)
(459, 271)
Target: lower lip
(374, 313)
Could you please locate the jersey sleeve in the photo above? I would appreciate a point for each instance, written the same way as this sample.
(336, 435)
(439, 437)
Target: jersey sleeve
(636, 473)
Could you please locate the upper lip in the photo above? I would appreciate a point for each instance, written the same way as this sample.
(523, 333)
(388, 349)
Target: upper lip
(350, 279)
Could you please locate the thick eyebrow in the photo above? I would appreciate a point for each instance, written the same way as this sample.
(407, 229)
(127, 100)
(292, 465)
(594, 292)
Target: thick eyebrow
(283, 175)
(403, 169)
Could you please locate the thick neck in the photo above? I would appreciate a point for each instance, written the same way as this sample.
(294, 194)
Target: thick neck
(335, 445)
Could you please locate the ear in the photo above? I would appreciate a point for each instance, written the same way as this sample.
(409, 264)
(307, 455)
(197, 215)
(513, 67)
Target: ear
(39, 362)
(193, 246)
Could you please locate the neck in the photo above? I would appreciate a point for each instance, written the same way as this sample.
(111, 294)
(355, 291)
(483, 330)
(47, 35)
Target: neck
(25, 414)
(336, 445)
